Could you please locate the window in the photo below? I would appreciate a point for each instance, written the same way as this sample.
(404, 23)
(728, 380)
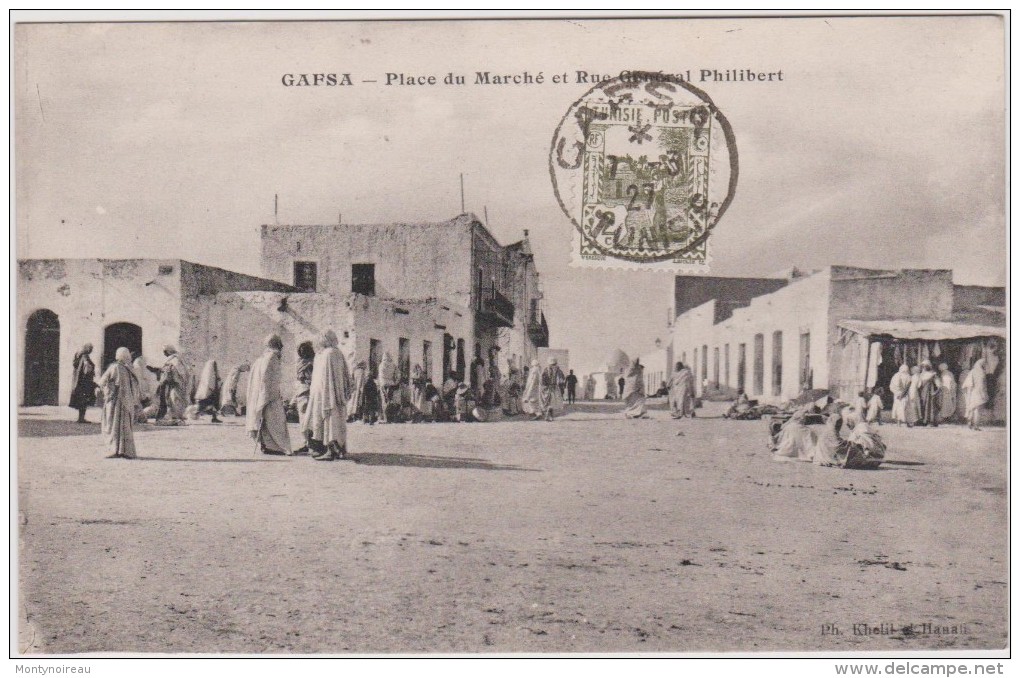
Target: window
(759, 364)
(404, 351)
(363, 279)
(805, 361)
(694, 370)
(777, 363)
(426, 357)
(306, 275)
(742, 367)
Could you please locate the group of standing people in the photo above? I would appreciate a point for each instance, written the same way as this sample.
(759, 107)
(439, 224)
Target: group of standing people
(922, 397)
(323, 415)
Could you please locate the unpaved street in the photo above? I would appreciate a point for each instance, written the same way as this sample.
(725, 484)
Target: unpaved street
(591, 533)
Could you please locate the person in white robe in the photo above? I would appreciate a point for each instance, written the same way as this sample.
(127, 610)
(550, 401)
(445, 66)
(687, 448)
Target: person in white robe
(531, 399)
(266, 416)
(120, 405)
(899, 386)
(796, 441)
(948, 389)
(388, 382)
(326, 422)
(681, 392)
(553, 384)
(975, 387)
(634, 392)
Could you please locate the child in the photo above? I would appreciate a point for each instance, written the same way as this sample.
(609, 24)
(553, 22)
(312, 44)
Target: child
(874, 411)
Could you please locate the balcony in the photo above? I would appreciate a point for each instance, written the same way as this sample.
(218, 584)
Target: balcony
(538, 330)
(496, 308)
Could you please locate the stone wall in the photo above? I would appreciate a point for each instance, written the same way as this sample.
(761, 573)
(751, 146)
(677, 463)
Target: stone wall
(230, 327)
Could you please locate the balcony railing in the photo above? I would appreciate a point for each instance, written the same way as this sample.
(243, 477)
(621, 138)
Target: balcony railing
(497, 308)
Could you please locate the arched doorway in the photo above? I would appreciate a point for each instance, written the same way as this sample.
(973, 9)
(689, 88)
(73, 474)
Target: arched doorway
(42, 358)
(116, 335)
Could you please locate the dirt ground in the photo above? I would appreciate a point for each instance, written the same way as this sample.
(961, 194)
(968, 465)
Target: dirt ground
(588, 534)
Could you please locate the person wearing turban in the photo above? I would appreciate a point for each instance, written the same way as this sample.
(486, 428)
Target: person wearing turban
(266, 416)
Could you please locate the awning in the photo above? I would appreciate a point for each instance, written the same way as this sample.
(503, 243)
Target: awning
(926, 330)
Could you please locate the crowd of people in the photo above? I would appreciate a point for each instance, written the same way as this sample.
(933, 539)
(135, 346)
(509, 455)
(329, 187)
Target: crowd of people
(922, 397)
(327, 395)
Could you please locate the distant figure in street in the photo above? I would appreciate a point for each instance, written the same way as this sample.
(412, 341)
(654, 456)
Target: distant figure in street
(681, 392)
(929, 392)
(512, 404)
(899, 386)
(913, 409)
(388, 381)
(874, 411)
(83, 385)
(619, 386)
(531, 400)
(796, 441)
(948, 388)
(229, 403)
(120, 405)
(552, 389)
(266, 420)
(146, 387)
(463, 403)
(172, 390)
(419, 403)
(975, 386)
(325, 425)
(740, 406)
(370, 401)
(634, 396)
(207, 394)
(355, 406)
(303, 381)
(861, 402)
(571, 387)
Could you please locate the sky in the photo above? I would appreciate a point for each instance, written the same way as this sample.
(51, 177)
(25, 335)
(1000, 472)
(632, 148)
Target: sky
(883, 145)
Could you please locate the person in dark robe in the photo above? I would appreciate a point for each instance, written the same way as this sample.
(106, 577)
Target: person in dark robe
(299, 401)
(370, 400)
(620, 383)
(929, 393)
(571, 387)
(83, 385)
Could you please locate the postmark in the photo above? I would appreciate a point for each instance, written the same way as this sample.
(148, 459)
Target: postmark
(644, 165)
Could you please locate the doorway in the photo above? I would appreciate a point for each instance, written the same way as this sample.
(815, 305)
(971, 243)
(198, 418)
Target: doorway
(116, 335)
(42, 358)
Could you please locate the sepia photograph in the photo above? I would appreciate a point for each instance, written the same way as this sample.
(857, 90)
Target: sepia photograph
(510, 337)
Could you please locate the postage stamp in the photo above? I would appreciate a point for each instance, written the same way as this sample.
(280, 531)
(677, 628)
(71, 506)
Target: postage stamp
(644, 165)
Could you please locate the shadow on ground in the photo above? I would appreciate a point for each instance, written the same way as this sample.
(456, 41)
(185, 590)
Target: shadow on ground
(50, 428)
(425, 461)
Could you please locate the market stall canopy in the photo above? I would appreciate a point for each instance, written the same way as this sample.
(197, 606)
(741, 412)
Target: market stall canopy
(925, 330)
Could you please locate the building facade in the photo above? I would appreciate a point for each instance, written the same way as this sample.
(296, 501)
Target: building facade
(787, 336)
(142, 304)
(446, 296)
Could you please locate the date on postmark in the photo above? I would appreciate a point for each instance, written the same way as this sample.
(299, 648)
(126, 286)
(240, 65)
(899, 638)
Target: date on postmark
(644, 166)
